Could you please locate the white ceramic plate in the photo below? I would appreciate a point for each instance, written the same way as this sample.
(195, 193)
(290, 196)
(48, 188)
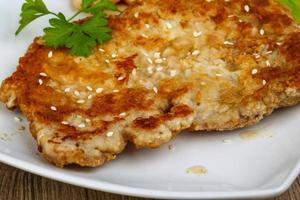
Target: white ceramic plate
(262, 167)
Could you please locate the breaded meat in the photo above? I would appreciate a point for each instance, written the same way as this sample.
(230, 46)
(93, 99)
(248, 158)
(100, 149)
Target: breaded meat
(171, 65)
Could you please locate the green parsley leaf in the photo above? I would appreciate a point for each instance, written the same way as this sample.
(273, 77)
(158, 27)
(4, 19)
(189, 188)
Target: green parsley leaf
(98, 29)
(100, 7)
(81, 37)
(294, 6)
(60, 31)
(31, 10)
(86, 4)
(80, 43)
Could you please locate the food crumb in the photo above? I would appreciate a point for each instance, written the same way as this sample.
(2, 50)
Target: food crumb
(18, 119)
(21, 128)
(5, 137)
(171, 147)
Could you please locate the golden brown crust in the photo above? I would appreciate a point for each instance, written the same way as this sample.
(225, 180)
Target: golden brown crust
(171, 65)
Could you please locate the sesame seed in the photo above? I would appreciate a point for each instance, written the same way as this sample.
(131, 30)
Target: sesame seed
(256, 55)
(156, 55)
(107, 61)
(240, 20)
(169, 25)
(268, 63)
(150, 70)
(17, 119)
(230, 16)
(50, 54)
(43, 74)
(247, 8)
(99, 90)
(155, 90)
(268, 52)
(254, 71)
(261, 31)
(67, 89)
(109, 134)
(159, 69)
(76, 93)
(136, 15)
(40, 81)
(133, 72)
(197, 33)
(115, 91)
(90, 96)
(264, 82)
(77, 60)
(102, 50)
(144, 35)
(89, 88)
(228, 43)
(81, 125)
(65, 122)
(195, 52)
(81, 101)
(53, 108)
(203, 83)
(158, 61)
(113, 55)
(219, 75)
(149, 60)
(173, 73)
(122, 114)
(87, 120)
(147, 25)
(279, 43)
(121, 78)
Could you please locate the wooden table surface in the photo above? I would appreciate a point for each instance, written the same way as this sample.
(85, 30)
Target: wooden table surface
(16, 184)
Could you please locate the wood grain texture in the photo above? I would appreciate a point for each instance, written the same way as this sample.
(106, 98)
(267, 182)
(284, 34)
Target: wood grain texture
(16, 184)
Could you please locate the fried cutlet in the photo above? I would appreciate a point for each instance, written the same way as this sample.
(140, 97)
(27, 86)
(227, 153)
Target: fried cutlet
(171, 65)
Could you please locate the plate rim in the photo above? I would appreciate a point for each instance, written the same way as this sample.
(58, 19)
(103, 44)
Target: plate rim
(148, 193)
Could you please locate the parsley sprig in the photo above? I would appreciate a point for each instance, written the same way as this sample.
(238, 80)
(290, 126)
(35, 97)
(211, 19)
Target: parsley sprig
(80, 37)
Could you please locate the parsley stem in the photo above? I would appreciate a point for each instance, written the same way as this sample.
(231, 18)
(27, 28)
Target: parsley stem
(74, 16)
(52, 13)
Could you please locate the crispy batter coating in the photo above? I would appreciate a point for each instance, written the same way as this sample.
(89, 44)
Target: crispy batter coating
(171, 65)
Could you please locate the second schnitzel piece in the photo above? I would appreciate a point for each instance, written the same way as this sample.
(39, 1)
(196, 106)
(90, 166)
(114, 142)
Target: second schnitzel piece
(171, 65)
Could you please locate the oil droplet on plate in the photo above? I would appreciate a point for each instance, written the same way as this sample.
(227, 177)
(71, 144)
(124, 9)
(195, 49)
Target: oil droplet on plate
(249, 135)
(198, 170)
(259, 133)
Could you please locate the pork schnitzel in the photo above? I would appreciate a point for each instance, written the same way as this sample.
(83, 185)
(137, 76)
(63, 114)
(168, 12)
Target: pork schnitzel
(171, 65)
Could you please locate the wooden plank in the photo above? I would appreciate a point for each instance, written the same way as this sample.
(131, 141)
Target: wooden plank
(16, 184)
